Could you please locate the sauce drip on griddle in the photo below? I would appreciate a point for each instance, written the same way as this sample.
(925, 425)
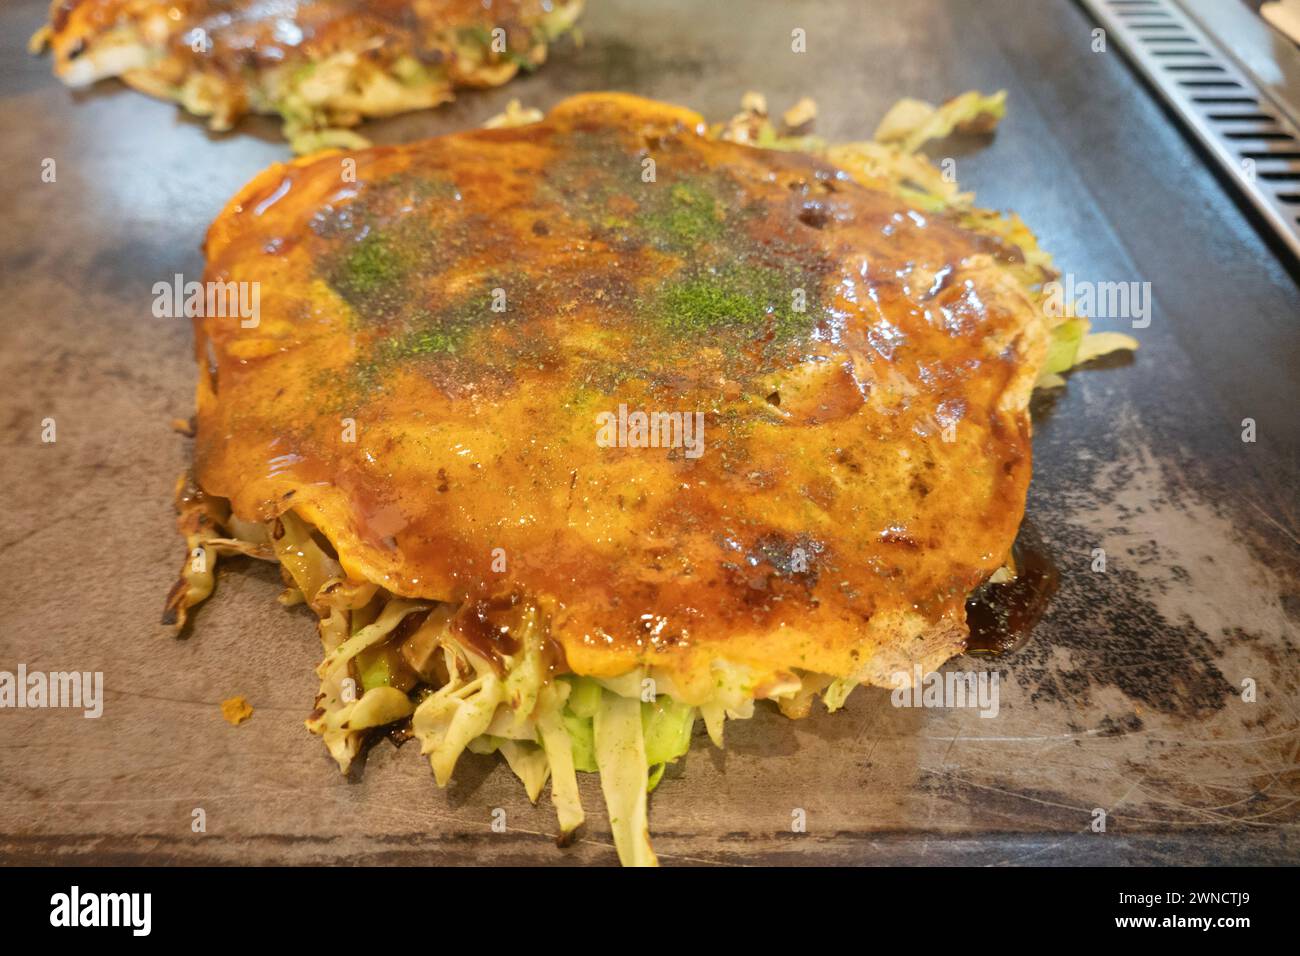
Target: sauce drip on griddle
(1001, 616)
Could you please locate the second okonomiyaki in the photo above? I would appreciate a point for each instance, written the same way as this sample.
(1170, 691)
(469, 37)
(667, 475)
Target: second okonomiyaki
(321, 65)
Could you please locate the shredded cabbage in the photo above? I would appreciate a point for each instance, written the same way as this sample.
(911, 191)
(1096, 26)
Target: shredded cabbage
(666, 727)
(838, 692)
(581, 740)
(912, 123)
(448, 719)
(392, 615)
(339, 717)
(1073, 345)
(376, 708)
(308, 565)
(584, 696)
(1063, 350)
(621, 756)
(560, 752)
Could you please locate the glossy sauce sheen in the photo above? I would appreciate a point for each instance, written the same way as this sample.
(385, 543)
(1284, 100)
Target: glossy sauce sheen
(827, 525)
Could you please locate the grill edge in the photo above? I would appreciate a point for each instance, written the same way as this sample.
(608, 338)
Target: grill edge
(1249, 133)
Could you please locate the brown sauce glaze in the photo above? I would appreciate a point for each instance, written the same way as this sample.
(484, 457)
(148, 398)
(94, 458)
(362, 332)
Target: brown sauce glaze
(482, 626)
(703, 293)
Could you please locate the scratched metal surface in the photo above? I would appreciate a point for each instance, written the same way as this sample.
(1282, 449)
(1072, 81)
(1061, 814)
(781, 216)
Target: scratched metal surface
(1127, 698)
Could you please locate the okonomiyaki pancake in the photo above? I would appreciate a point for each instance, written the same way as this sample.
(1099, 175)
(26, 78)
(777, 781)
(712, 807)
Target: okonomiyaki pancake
(434, 426)
(320, 64)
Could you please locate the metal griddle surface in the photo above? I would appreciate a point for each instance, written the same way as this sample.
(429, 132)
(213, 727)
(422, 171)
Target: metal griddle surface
(1127, 698)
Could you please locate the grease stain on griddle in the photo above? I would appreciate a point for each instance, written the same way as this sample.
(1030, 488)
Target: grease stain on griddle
(1107, 630)
(1119, 726)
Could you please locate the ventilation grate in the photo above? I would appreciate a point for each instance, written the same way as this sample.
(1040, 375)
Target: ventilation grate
(1246, 131)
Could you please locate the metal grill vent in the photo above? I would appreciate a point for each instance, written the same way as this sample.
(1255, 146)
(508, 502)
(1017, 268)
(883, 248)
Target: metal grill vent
(1247, 132)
